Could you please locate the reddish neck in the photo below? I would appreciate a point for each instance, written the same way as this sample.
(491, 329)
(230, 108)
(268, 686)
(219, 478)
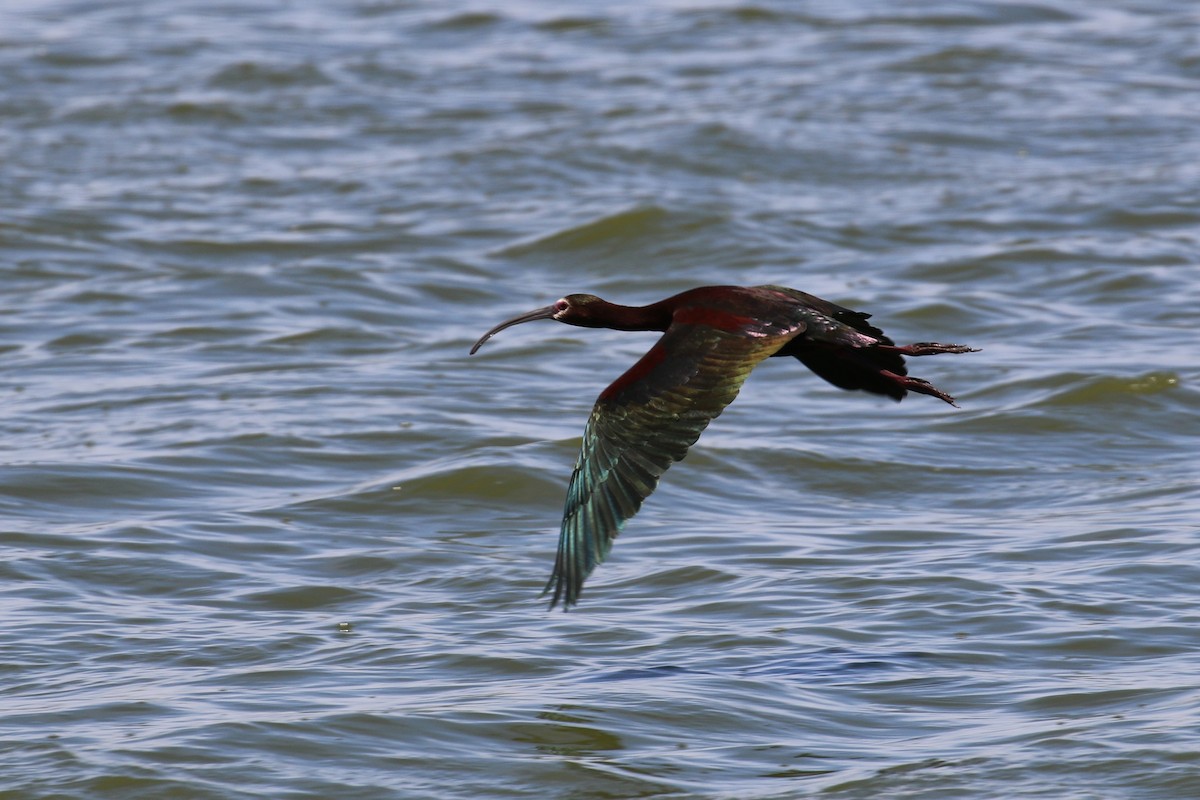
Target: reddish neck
(654, 317)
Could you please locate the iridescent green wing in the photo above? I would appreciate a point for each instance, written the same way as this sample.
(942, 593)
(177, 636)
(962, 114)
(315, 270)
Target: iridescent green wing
(641, 424)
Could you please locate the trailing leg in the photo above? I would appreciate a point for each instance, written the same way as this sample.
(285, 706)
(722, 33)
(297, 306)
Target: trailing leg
(926, 349)
(918, 385)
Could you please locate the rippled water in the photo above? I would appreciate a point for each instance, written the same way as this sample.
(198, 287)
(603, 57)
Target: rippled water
(269, 531)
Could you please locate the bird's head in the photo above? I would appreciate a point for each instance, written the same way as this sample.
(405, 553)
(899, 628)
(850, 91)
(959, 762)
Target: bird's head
(584, 310)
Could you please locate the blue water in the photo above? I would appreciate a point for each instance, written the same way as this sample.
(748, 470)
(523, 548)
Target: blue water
(268, 530)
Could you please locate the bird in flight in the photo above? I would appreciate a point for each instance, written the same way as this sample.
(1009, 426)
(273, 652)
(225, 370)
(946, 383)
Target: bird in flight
(649, 417)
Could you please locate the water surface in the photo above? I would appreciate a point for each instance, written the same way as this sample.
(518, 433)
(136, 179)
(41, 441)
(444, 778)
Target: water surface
(269, 531)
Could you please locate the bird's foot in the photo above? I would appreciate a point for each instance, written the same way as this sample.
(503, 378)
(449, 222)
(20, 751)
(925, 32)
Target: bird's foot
(927, 349)
(919, 386)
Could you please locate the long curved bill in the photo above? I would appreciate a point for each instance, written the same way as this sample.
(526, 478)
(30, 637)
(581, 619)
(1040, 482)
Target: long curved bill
(541, 313)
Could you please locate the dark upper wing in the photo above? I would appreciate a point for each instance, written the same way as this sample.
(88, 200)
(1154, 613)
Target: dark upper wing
(838, 346)
(829, 322)
(641, 424)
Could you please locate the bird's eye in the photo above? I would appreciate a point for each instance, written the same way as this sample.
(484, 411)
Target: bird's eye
(561, 306)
